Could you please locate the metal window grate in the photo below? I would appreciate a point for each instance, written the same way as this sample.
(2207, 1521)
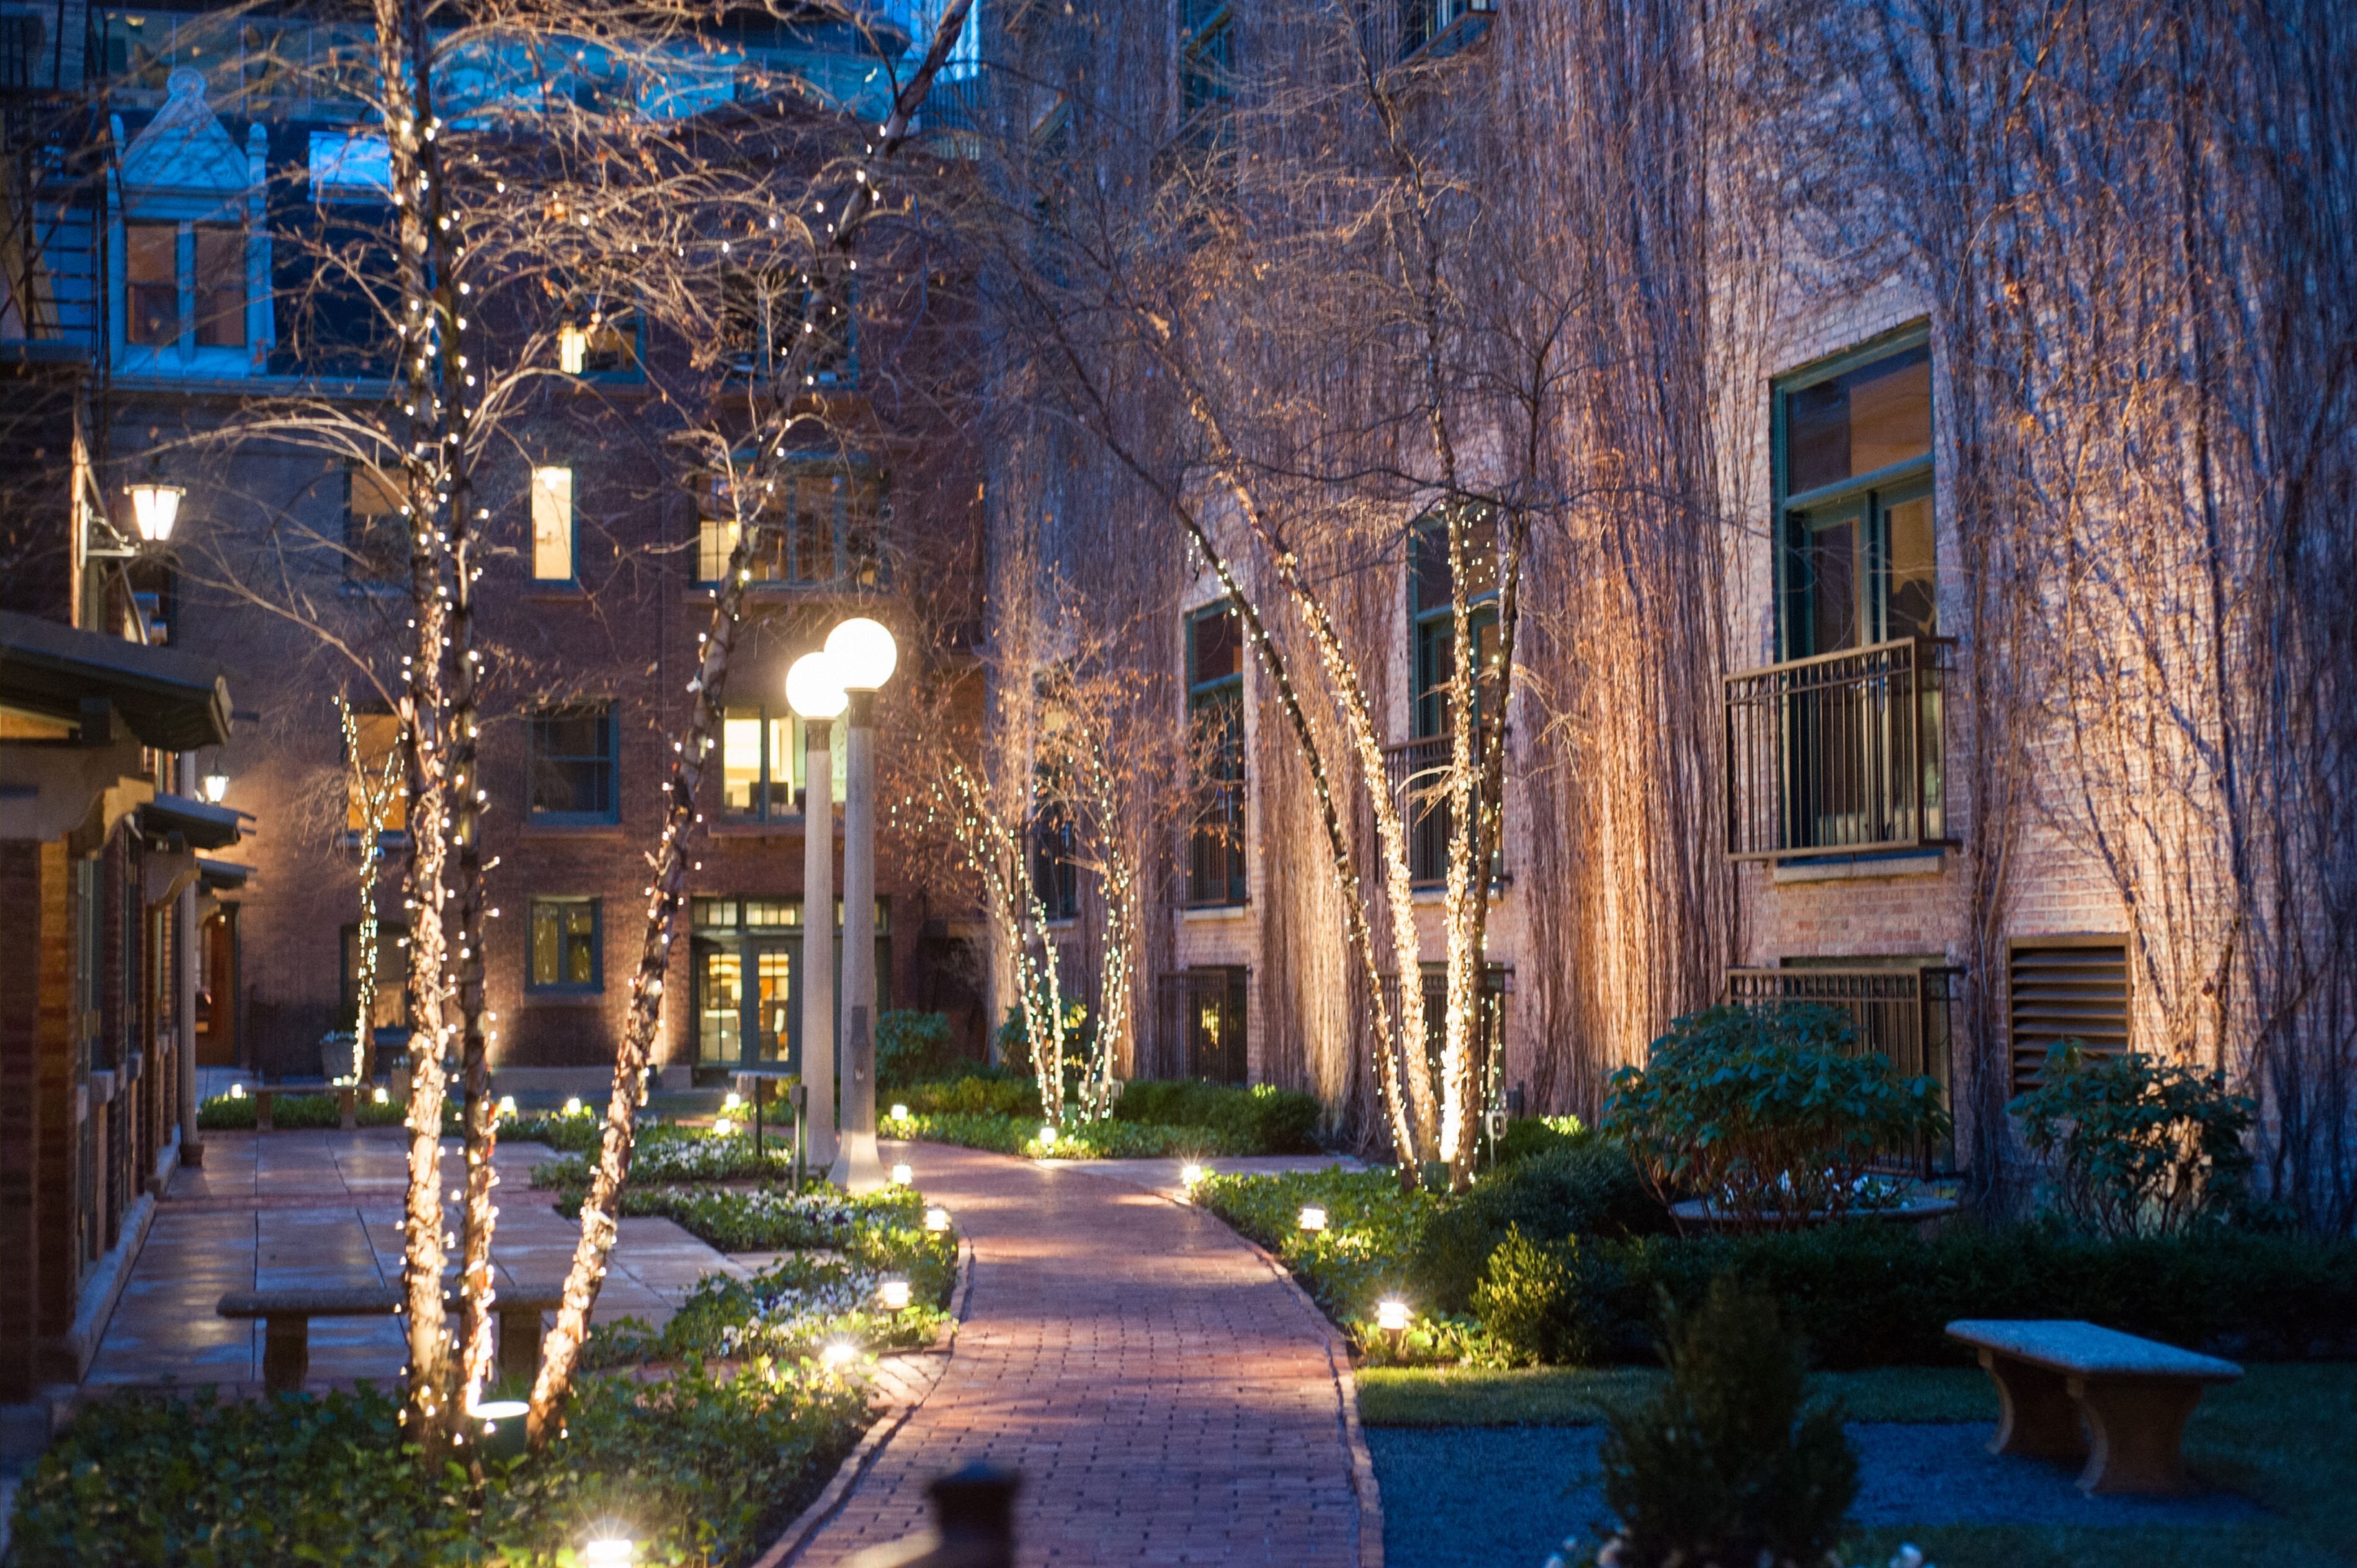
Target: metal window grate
(2066, 991)
(1200, 1024)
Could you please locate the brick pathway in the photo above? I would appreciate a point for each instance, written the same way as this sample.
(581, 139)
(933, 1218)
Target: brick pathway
(299, 1208)
(1166, 1396)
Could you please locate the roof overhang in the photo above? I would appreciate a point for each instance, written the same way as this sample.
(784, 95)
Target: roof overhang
(200, 824)
(221, 875)
(171, 701)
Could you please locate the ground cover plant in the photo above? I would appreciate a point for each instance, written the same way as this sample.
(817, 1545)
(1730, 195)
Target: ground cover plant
(676, 1155)
(702, 1465)
(290, 1112)
(1151, 1118)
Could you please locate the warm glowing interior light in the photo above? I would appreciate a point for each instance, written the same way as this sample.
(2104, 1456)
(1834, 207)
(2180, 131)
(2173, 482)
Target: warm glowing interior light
(813, 690)
(154, 509)
(572, 348)
(863, 653)
(1391, 1316)
(894, 1295)
(937, 1219)
(1313, 1217)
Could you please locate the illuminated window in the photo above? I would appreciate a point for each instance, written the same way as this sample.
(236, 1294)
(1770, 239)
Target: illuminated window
(151, 270)
(552, 525)
(764, 760)
(380, 738)
(1215, 706)
(564, 946)
(376, 536)
(826, 530)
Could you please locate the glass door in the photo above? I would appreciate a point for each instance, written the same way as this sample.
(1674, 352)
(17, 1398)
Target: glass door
(776, 1031)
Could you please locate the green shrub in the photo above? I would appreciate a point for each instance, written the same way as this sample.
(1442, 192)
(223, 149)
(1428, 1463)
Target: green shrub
(1732, 1464)
(764, 1220)
(1761, 1112)
(1261, 1119)
(1528, 1136)
(2137, 1148)
(1361, 1256)
(910, 1046)
(237, 1113)
(1581, 1186)
(1536, 1300)
(975, 1095)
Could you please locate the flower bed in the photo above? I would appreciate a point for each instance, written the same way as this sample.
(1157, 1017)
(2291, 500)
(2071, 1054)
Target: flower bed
(673, 1154)
(764, 1219)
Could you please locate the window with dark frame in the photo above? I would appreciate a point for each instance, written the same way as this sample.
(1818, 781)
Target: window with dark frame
(764, 758)
(1055, 850)
(219, 285)
(151, 274)
(1215, 711)
(1432, 635)
(827, 532)
(1206, 72)
(763, 309)
(572, 765)
(391, 1009)
(565, 953)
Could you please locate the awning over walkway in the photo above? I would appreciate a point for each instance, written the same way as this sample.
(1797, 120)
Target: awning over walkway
(170, 700)
(221, 875)
(202, 825)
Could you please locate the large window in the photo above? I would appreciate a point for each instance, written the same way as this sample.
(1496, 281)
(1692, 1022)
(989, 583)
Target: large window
(765, 309)
(564, 946)
(572, 765)
(552, 525)
(184, 285)
(825, 529)
(376, 536)
(1207, 43)
(1215, 711)
(392, 1008)
(1854, 487)
(1422, 763)
(764, 762)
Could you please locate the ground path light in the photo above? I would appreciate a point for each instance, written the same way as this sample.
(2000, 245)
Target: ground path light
(937, 1219)
(901, 1174)
(1189, 1175)
(379, 1096)
(507, 1108)
(609, 1551)
(894, 1295)
(1313, 1218)
(237, 1091)
(724, 1128)
(1391, 1318)
(734, 1101)
(572, 1105)
(1047, 1135)
(899, 1111)
(838, 1354)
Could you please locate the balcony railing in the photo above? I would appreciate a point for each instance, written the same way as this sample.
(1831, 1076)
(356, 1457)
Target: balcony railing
(1901, 1012)
(1418, 771)
(1840, 754)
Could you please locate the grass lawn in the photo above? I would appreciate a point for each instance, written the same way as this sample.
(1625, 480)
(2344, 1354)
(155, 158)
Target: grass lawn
(2285, 1437)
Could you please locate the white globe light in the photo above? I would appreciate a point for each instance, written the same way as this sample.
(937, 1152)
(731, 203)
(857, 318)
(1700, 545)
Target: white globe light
(864, 653)
(813, 688)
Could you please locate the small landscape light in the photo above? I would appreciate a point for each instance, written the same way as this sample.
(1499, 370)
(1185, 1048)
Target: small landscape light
(1047, 1135)
(838, 1354)
(498, 1410)
(1390, 1317)
(609, 1551)
(722, 1127)
(901, 1174)
(937, 1219)
(899, 1111)
(379, 1096)
(572, 1105)
(1313, 1217)
(734, 1103)
(237, 1091)
(507, 1108)
(1189, 1175)
(894, 1295)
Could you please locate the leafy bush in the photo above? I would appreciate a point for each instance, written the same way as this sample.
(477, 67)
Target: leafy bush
(237, 1113)
(1078, 1141)
(2137, 1148)
(677, 1155)
(910, 1046)
(1533, 1300)
(1760, 1112)
(1528, 1136)
(1732, 1465)
(765, 1219)
(977, 1094)
(1582, 1186)
(1261, 1119)
(703, 1467)
(1361, 1256)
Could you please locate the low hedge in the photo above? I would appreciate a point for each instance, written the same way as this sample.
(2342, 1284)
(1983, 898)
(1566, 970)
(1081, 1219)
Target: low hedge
(1261, 1119)
(764, 1220)
(703, 1467)
(1868, 1293)
(1113, 1140)
(1153, 1117)
(292, 1112)
(1578, 1185)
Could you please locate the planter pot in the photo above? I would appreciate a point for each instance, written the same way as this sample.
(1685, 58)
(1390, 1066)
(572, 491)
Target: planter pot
(1925, 1212)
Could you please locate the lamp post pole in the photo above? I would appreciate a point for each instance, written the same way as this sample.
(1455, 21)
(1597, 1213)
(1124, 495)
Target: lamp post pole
(856, 1167)
(818, 939)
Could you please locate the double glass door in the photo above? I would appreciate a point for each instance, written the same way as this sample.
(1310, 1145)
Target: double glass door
(748, 1002)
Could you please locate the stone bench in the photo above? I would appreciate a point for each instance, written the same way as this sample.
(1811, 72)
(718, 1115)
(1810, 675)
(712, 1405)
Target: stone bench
(2070, 1390)
(348, 1101)
(286, 1323)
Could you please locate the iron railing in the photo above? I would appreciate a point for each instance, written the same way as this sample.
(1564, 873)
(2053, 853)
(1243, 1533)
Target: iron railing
(1901, 1012)
(1418, 773)
(1840, 754)
(1200, 1024)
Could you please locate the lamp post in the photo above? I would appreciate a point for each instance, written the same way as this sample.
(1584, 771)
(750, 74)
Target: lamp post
(815, 693)
(863, 656)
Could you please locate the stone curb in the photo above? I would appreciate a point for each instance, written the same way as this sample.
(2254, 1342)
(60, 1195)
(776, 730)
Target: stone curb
(1337, 1362)
(806, 1524)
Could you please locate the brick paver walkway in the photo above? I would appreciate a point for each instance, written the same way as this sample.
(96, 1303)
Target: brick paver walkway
(302, 1208)
(1166, 1396)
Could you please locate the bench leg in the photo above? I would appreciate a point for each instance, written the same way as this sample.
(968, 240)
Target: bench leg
(2137, 1425)
(2036, 1417)
(519, 1343)
(348, 1103)
(285, 1353)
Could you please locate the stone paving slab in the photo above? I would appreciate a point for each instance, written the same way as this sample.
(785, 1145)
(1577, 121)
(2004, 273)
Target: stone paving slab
(321, 1207)
(1166, 1395)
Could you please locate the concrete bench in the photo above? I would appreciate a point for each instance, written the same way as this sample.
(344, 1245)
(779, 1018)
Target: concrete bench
(2071, 1390)
(348, 1101)
(286, 1323)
